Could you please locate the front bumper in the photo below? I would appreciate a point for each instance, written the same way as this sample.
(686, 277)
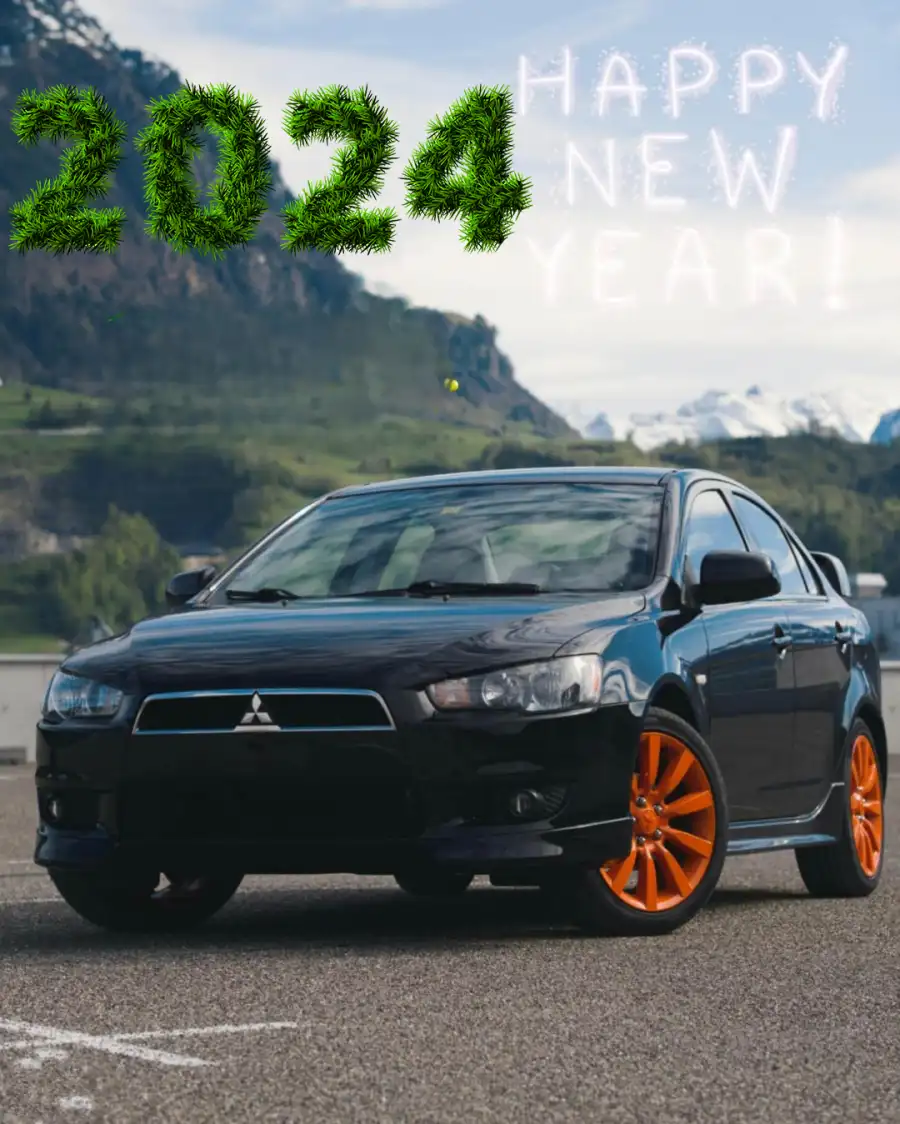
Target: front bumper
(486, 851)
(439, 790)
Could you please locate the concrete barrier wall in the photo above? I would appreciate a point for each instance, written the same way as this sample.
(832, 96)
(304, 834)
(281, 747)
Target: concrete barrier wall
(24, 679)
(883, 614)
(890, 689)
(23, 683)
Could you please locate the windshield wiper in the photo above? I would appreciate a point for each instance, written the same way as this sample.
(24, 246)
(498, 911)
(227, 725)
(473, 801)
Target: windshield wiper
(267, 593)
(434, 588)
(429, 588)
(437, 587)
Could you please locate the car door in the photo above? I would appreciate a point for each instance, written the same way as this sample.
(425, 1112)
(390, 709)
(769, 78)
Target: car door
(749, 687)
(822, 656)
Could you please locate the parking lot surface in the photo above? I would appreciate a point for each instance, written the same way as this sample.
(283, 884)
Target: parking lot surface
(339, 1000)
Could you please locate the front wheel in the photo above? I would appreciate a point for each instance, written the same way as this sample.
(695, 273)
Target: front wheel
(851, 867)
(679, 839)
(145, 903)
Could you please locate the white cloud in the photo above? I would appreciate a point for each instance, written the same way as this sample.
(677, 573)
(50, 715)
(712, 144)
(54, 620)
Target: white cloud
(647, 356)
(878, 187)
(657, 353)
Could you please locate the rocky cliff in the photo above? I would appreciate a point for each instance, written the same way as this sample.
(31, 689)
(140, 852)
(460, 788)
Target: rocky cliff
(261, 326)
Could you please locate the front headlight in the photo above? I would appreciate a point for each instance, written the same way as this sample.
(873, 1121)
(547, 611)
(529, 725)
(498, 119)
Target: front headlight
(71, 696)
(567, 683)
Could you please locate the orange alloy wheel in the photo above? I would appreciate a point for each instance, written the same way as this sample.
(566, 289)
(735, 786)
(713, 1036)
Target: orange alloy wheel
(866, 810)
(674, 814)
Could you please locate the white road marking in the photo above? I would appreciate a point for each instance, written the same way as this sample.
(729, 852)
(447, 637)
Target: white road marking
(23, 1044)
(37, 1060)
(44, 1042)
(76, 1104)
(104, 1043)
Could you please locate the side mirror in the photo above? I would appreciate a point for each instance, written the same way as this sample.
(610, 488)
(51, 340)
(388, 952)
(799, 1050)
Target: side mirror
(728, 576)
(835, 571)
(188, 584)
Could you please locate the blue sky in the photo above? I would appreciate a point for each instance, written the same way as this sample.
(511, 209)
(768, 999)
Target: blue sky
(640, 347)
(480, 37)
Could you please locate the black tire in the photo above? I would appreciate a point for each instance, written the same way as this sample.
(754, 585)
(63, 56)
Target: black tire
(603, 912)
(836, 870)
(433, 882)
(135, 905)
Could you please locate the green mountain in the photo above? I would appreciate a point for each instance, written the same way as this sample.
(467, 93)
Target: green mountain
(259, 336)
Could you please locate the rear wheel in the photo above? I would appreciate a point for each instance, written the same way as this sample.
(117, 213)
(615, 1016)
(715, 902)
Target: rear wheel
(433, 882)
(679, 838)
(145, 903)
(851, 868)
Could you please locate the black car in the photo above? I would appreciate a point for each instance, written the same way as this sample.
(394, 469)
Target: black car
(595, 681)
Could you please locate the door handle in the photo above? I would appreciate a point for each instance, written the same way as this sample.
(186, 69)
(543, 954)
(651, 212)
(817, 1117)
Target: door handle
(842, 637)
(782, 641)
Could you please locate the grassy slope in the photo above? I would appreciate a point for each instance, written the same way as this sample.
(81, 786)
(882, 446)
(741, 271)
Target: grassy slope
(18, 402)
(839, 497)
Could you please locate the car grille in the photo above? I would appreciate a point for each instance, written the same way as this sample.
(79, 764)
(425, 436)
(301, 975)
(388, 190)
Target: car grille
(290, 711)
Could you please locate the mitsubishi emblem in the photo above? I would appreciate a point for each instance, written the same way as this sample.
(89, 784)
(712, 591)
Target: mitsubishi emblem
(256, 718)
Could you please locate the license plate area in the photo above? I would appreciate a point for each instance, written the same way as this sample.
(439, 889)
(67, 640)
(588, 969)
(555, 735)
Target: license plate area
(268, 787)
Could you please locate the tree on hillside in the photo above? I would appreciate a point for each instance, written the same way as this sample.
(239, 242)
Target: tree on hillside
(120, 576)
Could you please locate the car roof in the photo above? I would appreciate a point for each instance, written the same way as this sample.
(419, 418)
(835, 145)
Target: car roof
(576, 474)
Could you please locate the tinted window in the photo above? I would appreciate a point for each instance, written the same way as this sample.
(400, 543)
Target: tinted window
(812, 583)
(560, 536)
(710, 526)
(771, 540)
(576, 552)
(407, 555)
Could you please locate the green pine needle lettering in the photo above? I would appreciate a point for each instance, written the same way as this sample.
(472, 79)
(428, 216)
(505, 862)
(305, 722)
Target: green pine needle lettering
(327, 216)
(55, 217)
(243, 177)
(475, 140)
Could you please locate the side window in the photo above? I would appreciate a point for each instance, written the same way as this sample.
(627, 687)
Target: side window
(812, 582)
(710, 526)
(772, 541)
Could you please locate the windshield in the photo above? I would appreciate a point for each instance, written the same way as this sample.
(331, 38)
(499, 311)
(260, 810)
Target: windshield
(561, 537)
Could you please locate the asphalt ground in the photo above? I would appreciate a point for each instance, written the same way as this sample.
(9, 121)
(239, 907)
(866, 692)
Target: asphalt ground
(340, 1000)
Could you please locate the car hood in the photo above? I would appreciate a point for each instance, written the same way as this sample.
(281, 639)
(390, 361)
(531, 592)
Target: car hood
(363, 642)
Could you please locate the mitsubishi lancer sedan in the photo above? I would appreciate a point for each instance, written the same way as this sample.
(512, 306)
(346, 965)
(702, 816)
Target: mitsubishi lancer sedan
(598, 682)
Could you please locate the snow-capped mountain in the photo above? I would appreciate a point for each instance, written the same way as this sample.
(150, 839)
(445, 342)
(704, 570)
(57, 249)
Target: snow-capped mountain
(584, 416)
(888, 428)
(758, 412)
